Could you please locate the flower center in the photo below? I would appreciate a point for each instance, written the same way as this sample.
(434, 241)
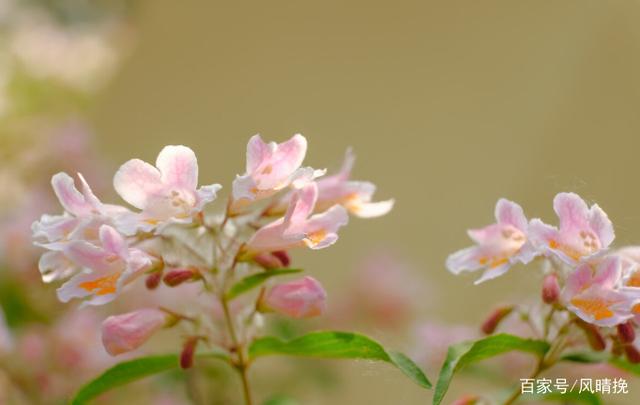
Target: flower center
(101, 286)
(596, 307)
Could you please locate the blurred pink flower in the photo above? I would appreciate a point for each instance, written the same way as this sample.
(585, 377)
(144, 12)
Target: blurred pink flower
(126, 332)
(302, 298)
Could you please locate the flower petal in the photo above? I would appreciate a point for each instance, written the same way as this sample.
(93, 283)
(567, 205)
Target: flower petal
(55, 266)
(601, 225)
(493, 272)
(113, 242)
(464, 260)
(70, 198)
(257, 152)
(510, 213)
(88, 255)
(572, 211)
(178, 166)
(373, 209)
(136, 181)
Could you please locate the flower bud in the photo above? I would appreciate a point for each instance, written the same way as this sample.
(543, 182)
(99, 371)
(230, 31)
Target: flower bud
(632, 354)
(550, 288)
(176, 277)
(188, 351)
(594, 337)
(302, 298)
(153, 280)
(283, 256)
(126, 332)
(268, 260)
(491, 323)
(626, 332)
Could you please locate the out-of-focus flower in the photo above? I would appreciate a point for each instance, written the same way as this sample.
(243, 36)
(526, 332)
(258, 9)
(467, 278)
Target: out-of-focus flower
(6, 340)
(297, 228)
(583, 232)
(271, 167)
(126, 332)
(432, 340)
(302, 298)
(499, 245)
(165, 193)
(111, 266)
(592, 295)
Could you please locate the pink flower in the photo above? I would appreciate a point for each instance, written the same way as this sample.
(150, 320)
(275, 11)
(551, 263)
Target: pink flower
(302, 298)
(83, 216)
(297, 228)
(271, 167)
(165, 193)
(498, 246)
(355, 196)
(594, 296)
(583, 233)
(107, 267)
(6, 340)
(126, 332)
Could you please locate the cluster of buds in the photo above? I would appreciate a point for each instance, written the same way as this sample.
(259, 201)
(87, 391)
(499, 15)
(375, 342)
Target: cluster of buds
(596, 285)
(168, 239)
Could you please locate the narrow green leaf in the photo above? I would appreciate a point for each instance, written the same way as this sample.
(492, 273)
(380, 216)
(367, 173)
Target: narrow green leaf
(130, 371)
(338, 345)
(466, 353)
(598, 357)
(250, 282)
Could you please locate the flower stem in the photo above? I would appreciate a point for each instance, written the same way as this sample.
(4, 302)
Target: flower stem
(243, 364)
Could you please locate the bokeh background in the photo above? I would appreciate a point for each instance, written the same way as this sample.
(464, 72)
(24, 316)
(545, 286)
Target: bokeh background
(449, 106)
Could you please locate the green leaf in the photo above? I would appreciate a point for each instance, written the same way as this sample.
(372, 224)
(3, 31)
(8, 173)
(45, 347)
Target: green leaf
(130, 371)
(466, 353)
(572, 397)
(280, 400)
(338, 345)
(250, 282)
(599, 357)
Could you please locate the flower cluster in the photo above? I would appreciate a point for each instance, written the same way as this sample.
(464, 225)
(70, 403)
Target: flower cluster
(597, 284)
(168, 238)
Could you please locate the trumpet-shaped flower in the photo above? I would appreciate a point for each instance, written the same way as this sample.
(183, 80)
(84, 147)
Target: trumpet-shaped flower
(355, 196)
(583, 232)
(165, 193)
(302, 298)
(126, 332)
(297, 228)
(498, 246)
(593, 293)
(107, 268)
(271, 167)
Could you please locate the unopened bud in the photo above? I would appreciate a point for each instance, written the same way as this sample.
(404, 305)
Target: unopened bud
(301, 298)
(179, 276)
(268, 261)
(188, 351)
(126, 332)
(550, 288)
(626, 332)
(594, 337)
(632, 354)
(489, 326)
(283, 256)
(153, 280)
(466, 400)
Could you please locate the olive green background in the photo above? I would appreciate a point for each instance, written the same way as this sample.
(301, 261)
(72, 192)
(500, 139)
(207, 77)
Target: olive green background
(448, 104)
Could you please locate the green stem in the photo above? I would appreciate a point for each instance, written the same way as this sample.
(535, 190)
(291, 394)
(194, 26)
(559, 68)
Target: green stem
(243, 364)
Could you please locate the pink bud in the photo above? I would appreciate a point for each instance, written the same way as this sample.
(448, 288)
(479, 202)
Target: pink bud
(594, 337)
(550, 288)
(188, 351)
(267, 260)
(491, 323)
(126, 332)
(626, 333)
(466, 400)
(283, 256)
(302, 298)
(632, 354)
(153, 280)
(179, 276)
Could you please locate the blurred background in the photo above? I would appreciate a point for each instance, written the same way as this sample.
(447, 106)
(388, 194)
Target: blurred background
(449, 105)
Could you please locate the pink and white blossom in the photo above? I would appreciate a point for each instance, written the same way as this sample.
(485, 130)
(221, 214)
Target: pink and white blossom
(166, 193)
(498, 246)
(271, 167)
(592, 293)
(126, 332)
(107, 267)
(583, 232)
(298, 228)
(302, 298)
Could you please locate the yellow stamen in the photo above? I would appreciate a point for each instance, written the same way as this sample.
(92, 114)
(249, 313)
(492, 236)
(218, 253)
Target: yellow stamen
(316, 237)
